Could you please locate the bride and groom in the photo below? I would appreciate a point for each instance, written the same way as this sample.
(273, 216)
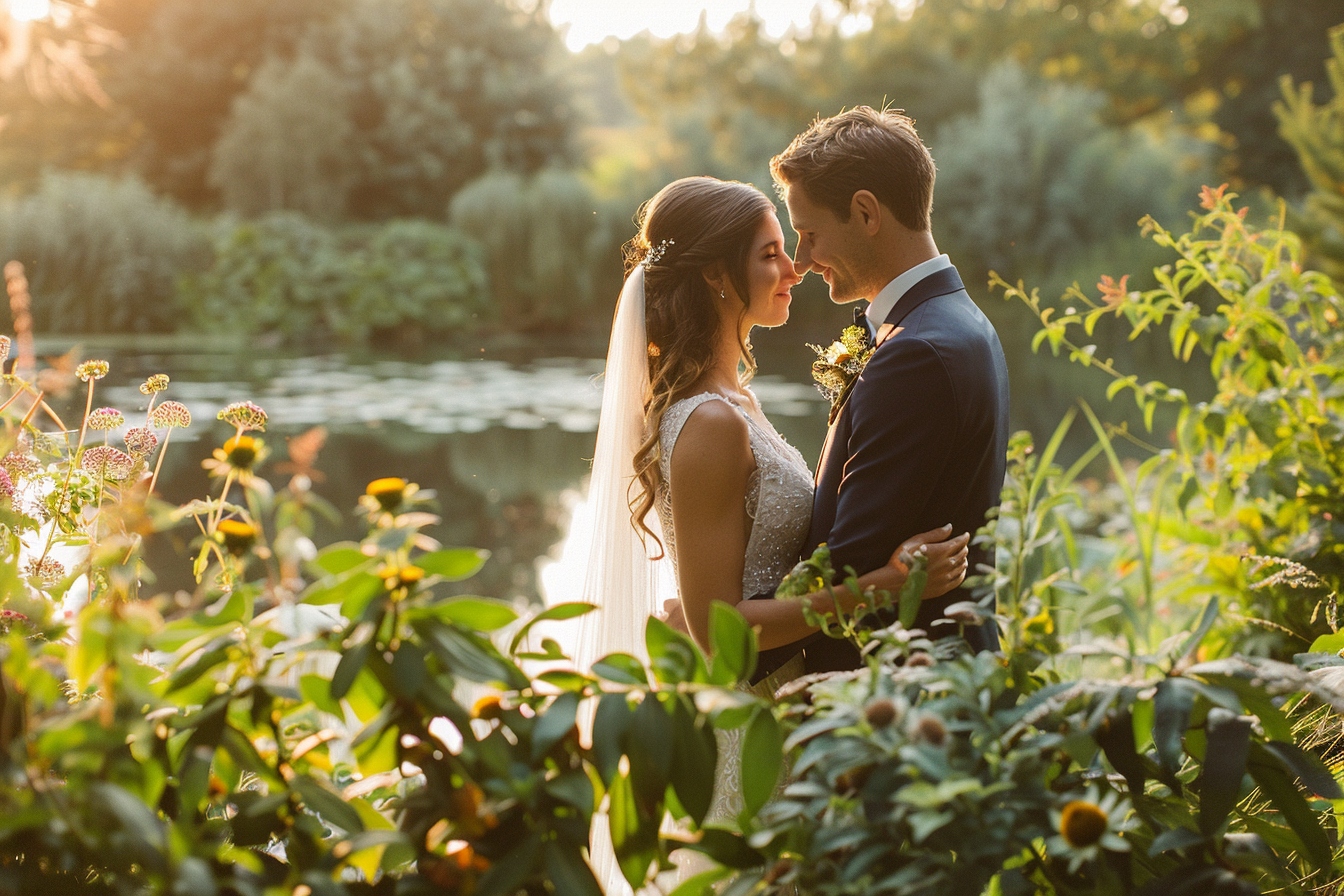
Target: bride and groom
(687, 466)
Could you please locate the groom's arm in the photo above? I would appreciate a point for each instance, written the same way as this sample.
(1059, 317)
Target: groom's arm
(904, 414)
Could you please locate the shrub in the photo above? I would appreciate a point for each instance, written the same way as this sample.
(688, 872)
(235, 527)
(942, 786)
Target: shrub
(101, 254)
(288, 278)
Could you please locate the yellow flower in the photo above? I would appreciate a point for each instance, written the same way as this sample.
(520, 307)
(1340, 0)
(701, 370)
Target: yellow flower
(400, 577)
(389, 492)
(1082, 823)
(239, 455)
(237, 536)
(487, 707)
(92, 370)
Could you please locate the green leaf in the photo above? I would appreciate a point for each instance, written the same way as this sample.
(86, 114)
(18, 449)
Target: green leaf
(694, 758)
(634, 836)
(574, 788)
(1308, 768)
(610, 724)
(1176, 838)
(911, 598)
(1284, 795)
(554, 723)
(621, 668)
(468, 656)
(649, 744)
(507, 876)
(1224, 766)
(454, 564)
(1172, 705)
(702, 883)
(728, 848)
(557, 613)
(317, 690)
(476, 613)
(1333, 643)
(1115, 736)
(1206, 620)
(673, 656)
(329, 805)
(567, 871)
(762, 760)
(341, 557)
(734, 645)
(408, 670)
(358, 588)
(351, 662)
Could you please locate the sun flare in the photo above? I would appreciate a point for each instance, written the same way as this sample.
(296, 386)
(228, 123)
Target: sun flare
(29, 10)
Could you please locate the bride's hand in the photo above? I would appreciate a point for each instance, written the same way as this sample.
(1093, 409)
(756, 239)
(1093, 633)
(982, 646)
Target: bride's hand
(947, 558)
(673, 616)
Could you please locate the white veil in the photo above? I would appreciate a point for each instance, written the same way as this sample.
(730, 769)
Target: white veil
(619, 576)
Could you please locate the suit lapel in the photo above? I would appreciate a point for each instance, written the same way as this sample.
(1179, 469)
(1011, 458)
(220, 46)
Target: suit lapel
(939, 283)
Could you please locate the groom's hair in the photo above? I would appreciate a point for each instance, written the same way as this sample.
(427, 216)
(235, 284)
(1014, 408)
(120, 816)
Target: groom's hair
(861, 149)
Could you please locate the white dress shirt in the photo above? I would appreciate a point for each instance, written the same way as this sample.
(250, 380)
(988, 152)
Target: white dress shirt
(886, 300)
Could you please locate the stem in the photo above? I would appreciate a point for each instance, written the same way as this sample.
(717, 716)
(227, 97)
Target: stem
(163, 449)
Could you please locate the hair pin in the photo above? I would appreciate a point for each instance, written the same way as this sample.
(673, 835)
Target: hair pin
(656, 253)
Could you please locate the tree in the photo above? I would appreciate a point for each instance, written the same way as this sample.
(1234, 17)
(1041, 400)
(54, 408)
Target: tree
(1316, 133)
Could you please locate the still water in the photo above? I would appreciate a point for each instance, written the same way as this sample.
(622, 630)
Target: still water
(504, 442)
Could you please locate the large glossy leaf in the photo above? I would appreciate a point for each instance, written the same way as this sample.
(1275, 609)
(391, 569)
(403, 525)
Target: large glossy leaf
(621, 668)
(341, 557)
(467, 656)
(328, 804)
(673, 656)
(350, 664)
(694, 756)
(1307, 767)
(554, 723)
(1115, 736)
(610, 724)
(734, 644)
(634, 834)
(1283, 794)
(556, 613)
(1224, 766)
(1172, 704)
(649, 744)
(762, 760)
(476, 613)
(567, 870)
(454, 564)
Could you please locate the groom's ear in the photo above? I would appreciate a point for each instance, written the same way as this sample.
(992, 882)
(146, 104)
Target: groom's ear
(864, 208)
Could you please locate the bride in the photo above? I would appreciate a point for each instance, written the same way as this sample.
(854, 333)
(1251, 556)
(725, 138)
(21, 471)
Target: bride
(682, 434)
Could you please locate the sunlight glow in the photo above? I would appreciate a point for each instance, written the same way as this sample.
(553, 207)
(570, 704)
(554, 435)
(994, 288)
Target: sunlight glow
(29, 10)
(591, 21)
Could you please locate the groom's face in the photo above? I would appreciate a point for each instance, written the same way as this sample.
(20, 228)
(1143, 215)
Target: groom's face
(831, 247)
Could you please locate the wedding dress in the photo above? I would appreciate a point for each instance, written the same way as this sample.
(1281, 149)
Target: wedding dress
(779, 503)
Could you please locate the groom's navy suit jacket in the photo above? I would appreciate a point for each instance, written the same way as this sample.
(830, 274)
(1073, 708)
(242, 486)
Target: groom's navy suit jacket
(920, 441)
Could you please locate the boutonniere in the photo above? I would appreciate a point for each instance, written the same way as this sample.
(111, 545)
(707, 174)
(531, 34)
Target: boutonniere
(839, 364)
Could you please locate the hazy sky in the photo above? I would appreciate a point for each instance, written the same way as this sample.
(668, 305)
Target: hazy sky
(589, 21)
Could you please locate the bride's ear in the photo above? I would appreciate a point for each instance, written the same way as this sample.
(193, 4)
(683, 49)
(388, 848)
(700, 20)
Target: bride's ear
(716, 277)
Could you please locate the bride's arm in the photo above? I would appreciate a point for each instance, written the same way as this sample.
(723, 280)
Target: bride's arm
(711, 463)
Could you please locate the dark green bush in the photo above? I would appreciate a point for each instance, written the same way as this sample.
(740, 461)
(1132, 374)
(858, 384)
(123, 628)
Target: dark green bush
(101, 254)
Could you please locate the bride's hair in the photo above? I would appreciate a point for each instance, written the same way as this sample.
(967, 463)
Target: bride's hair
(699, 223)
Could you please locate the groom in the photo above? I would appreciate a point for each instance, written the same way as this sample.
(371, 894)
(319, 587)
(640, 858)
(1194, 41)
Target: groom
(920, 440)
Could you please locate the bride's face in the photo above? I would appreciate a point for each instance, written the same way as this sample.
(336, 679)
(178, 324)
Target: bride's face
(770, 277)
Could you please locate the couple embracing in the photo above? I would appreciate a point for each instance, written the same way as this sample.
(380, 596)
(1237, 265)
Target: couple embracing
(688, 467)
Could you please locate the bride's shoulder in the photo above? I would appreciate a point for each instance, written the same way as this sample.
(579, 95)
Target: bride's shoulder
(708, 419)
(713, 441)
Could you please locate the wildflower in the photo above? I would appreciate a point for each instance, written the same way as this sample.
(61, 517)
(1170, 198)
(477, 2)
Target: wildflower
(488, 708)
(108, 462)
(239, 456)
(1087, 824)
(1209, 197)
(6, 485)
(880, 713)
(389, 492)
(237, 536)
(155, 384)
(4, 348)
(47, 570)
(918, 658)
(1114, 293)
(170, 414)
(19, 465)
(9, 617)
(928, 728)
(104, 419)
(244, 415)
(400, 578)
(92, 370)
(140, 441)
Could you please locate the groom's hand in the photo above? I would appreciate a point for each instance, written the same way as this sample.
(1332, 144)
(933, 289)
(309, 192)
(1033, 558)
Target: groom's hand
(673, 616)
(947, 564)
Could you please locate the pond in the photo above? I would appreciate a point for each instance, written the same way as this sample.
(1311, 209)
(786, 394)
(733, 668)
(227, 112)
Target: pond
(504, 438)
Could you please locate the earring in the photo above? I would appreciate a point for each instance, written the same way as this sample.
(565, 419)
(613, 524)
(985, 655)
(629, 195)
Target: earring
(723, 293)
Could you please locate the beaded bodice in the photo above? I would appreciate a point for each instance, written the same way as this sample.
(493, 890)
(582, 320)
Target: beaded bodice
(779, 496)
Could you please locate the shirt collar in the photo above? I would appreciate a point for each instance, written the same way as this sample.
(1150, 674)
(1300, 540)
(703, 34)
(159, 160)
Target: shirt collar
(883, 303)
